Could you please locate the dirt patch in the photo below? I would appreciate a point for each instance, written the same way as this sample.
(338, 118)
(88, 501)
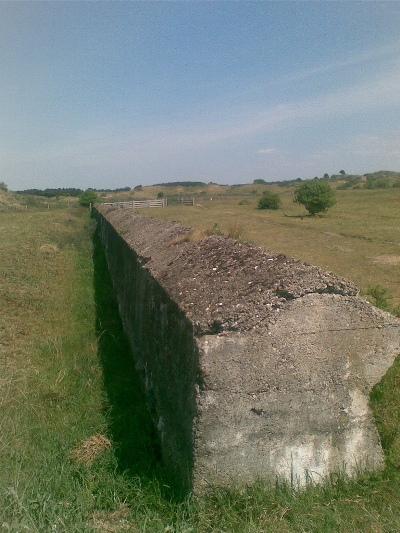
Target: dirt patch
(90, 449)
(221, 284)
(387, 259)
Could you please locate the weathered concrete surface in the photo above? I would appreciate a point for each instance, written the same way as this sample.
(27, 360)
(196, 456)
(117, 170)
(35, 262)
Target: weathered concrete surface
(255, 365)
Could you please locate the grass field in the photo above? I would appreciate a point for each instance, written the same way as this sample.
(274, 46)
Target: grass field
(77, 450)
(359, 238)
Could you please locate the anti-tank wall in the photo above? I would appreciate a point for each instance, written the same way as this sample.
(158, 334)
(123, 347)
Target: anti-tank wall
(255, 365)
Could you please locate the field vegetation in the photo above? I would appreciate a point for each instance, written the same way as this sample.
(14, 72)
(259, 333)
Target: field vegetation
(358, 238)
(77, 450)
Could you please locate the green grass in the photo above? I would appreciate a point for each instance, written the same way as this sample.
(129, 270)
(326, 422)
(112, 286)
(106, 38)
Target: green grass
(67, 375)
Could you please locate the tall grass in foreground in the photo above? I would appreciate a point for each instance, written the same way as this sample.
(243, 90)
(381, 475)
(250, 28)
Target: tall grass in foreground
(77, 449)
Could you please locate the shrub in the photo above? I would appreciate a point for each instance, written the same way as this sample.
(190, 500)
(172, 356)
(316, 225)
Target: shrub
(87, 198)
(344, 186)
(214, 230)
(316, 196)
(3, 186)
(396, 311)
(375, 183)
(350, 183)
(235, 231)
(269, 200)
(380, 296)
(160, 194)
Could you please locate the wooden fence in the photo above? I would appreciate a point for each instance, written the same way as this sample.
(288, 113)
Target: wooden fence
(159, 202)
(186, 201)
(140, 204)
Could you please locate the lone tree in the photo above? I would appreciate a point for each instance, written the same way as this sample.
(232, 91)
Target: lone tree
(316, 196)
(87, 198)
(269, 200)
(3, 186)
(342, 172)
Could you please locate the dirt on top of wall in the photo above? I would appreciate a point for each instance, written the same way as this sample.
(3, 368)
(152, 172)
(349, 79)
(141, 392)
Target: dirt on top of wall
(221, 284)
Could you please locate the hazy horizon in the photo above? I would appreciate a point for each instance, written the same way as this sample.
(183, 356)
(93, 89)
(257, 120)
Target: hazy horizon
(109, 95)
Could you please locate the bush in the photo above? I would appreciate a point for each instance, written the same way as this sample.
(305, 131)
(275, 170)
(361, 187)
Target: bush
(350, 183)
(3, 186)
(269, 200)
(87, 198)
(316, 196)
(375, 183)
(235, 231)
(160, 194)
(344, 186)
(214, 230)
(380, 296)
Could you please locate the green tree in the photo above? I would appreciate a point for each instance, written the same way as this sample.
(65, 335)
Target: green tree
(342, 172)
(88, 197)
(3, 186)
(160, 194)
(316, 196)
(269, 200)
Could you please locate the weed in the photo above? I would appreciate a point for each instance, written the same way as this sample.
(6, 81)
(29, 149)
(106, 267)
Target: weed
(269, 200)
(235, 231)
(380, 296)
(214, 230)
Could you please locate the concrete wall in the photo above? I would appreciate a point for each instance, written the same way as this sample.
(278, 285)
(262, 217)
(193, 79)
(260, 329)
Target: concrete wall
(266, 375)
(165, 351)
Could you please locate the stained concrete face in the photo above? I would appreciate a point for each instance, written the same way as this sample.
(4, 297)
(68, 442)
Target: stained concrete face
(267, 377)
(293, 402)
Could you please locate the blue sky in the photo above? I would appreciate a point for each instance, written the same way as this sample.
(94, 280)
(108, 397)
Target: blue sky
(121, 93)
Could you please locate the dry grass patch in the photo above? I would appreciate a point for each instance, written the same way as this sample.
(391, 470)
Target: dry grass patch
(49, 249)
(387, 259)
(90, 449)
(113, 522)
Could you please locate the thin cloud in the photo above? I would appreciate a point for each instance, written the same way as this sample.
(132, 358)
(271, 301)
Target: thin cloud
(172, 146)
(267, 151)
(360, 58)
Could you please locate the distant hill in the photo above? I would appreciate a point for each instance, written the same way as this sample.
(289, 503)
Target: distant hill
(51, 193)
(382, 179)
(8, 201)
(383, 174)
(181, 184)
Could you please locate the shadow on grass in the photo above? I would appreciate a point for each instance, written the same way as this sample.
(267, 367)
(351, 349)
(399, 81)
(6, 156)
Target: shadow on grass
(133, 434)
